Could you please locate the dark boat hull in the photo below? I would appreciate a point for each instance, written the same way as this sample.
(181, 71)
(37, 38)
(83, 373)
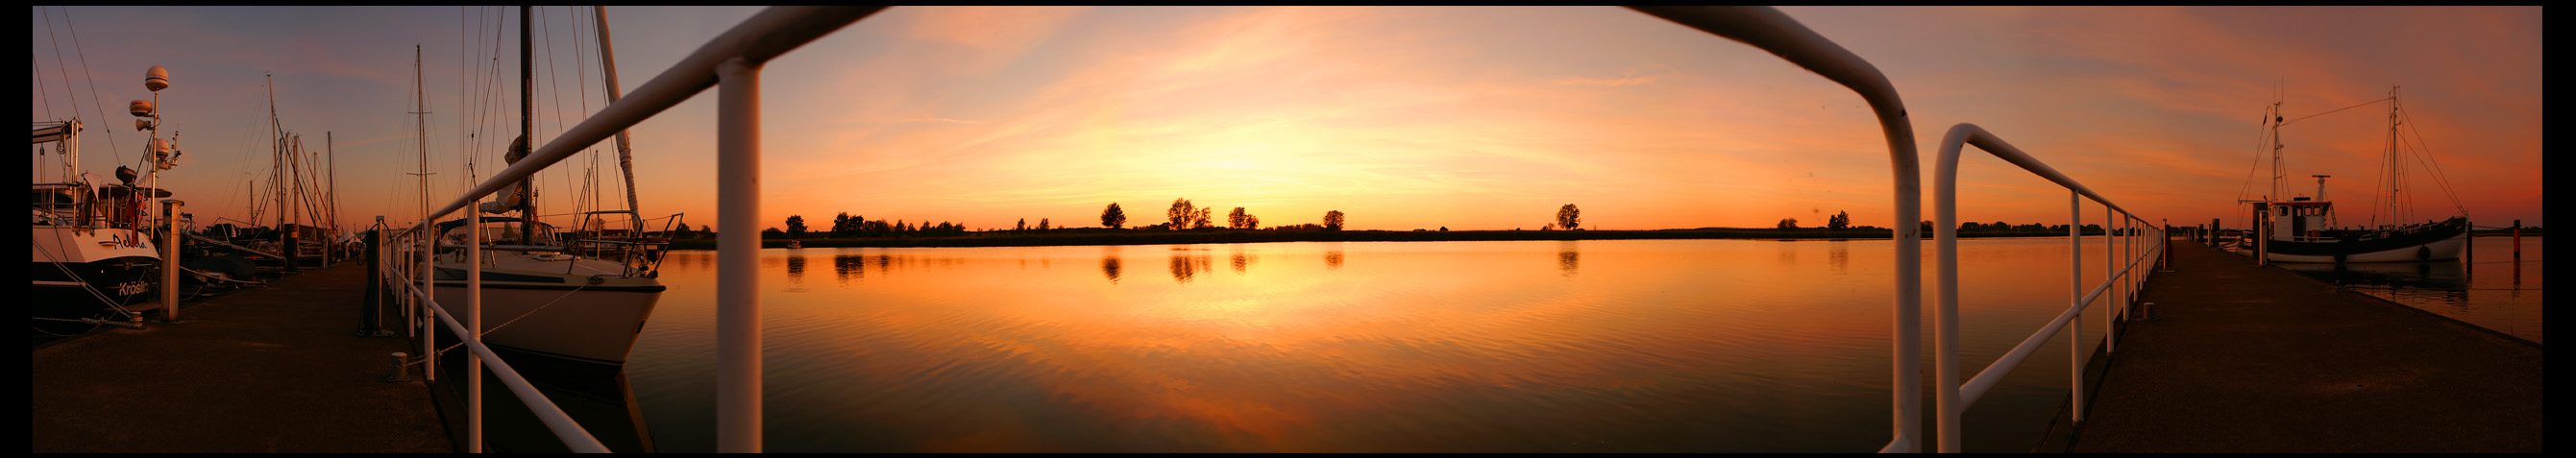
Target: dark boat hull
(2430, 242)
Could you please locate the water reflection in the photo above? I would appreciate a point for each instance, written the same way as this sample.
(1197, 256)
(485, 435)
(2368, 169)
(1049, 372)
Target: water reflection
(1187, 263)
(1242, 260)
(849, 265)
(1567, 257)
(1840, 256)
(796, 268)
(596, 397)
(1671, 346)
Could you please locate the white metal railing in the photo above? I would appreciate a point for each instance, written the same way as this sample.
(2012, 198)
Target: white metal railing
(731, 61)
(1772, 31)
(1956, 397)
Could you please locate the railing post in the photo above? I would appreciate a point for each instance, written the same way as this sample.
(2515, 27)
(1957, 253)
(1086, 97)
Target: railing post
(474, 326)
(2075, 297)
(737, 257)
(428, 292)
(170, 259)
(2110, 275)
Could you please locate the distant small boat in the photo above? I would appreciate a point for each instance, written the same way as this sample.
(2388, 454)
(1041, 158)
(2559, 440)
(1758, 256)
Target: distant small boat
(791, 244)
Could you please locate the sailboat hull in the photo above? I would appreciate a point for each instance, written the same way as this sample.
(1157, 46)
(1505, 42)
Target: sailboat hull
(595, 326)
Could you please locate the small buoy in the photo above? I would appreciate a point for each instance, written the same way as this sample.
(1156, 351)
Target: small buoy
(2423, 253)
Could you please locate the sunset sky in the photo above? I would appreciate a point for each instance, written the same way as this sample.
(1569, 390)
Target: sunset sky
(1403, 118)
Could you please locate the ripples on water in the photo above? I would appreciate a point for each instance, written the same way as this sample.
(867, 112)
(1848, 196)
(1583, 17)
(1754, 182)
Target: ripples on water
(1538, 346)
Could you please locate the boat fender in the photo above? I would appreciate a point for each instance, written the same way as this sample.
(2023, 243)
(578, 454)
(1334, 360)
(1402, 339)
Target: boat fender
(2338, 258)
(2423, 253)
(595, 279)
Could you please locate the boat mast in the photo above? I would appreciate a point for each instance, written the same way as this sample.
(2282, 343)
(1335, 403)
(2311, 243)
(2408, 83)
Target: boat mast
(420, 134)
(527, 130)
(2395, 176)
(625, 157)
(277, 146)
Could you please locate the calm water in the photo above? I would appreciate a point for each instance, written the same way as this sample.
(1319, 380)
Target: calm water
(2491, 290)
(1523, 346)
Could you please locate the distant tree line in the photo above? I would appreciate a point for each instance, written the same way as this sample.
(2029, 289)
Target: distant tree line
(1182, 215)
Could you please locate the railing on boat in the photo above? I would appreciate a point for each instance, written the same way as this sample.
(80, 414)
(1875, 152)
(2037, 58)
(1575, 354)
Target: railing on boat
(732, 63)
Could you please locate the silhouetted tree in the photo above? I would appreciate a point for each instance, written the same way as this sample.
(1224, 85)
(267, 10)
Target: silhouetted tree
(1023, 225)
(1333, 220)
(1042, 224)
(1788, 223)
(844, 225)
(1239, 220)
(1113, 217)
(795, 226)
(1181, 214)
(772, 233)
(1569, 217)
(1838, 221)
(1251, 222)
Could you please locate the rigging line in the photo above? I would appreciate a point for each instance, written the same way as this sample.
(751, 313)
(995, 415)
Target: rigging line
(2382, 99)
(2438, 176)
(2259, 136)
(61, 67)
(93, 80)
(580, 69)
(40, 89)
(554, 94)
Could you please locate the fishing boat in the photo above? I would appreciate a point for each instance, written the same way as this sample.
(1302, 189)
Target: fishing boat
(581, 295)
(94, 252)
(2305, 229)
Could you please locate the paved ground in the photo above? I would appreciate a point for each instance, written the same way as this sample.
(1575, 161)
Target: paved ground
(274, 369)
(2249, 359)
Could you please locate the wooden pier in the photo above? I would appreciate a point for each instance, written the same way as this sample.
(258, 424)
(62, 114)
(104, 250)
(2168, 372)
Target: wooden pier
(2256, 359)
(274, 369)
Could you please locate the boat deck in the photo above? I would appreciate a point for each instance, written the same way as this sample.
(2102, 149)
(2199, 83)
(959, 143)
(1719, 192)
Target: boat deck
(274, 369)
(2257, 359)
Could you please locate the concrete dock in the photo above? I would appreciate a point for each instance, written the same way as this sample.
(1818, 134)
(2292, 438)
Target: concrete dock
(274, 369)
(2256, 359)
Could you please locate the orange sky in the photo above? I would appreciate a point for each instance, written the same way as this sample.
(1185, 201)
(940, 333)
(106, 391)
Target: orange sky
(1470, 118)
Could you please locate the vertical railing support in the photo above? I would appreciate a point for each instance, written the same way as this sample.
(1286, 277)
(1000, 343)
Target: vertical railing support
(737, 257)
(474, 326)
(170, 258)
(428, 293)
(2075, 298)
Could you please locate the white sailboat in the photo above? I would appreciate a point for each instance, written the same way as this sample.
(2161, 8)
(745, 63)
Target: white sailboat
(581, 296)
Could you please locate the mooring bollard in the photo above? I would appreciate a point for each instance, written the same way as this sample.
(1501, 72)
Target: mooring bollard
(371, 310)
(2150, 308)
(398, 375)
